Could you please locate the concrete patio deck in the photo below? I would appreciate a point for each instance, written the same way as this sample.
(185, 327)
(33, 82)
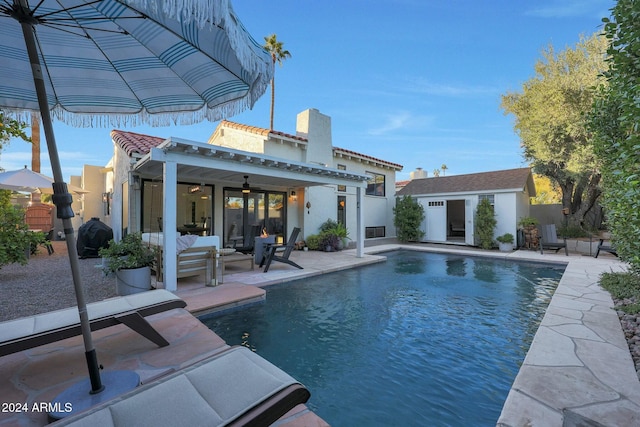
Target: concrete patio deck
(578, 367)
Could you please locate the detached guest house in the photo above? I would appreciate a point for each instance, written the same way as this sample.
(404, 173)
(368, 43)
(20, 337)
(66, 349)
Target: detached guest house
(245, 178)
(450, 202)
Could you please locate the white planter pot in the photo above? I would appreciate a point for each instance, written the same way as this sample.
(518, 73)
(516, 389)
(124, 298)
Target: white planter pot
(133, 280)
(505, 247)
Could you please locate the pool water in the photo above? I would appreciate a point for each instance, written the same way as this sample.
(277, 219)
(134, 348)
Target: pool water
(421, 339)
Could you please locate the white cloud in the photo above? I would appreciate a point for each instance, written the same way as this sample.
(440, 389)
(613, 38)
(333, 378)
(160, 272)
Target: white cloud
(424, 86)
(403, 120)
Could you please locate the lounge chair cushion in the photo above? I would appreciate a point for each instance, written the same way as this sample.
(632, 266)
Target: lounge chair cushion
(47, 327)
(213, 392)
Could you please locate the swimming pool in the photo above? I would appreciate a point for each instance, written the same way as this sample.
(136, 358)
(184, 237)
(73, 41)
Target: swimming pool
(421, 339)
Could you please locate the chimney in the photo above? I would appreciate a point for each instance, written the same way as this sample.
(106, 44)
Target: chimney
(418, 173)
(316, 127)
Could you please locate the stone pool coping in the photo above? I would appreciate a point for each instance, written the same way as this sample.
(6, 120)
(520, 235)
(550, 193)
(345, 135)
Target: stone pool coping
(578, 370)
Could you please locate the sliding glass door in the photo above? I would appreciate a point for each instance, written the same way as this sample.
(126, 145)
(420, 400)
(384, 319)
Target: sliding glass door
(244, 213)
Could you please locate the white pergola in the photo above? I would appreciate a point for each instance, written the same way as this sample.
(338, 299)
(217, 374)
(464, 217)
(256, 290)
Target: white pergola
(178, 159)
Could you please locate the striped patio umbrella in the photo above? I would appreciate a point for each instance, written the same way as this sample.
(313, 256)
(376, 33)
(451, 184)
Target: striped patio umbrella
(123, 62)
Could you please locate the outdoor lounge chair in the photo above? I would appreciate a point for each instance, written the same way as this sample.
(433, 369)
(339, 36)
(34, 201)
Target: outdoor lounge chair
(607, 248)
(549, 239)
(28, 332)
(233, 388)
(271, 252)
(249, 240)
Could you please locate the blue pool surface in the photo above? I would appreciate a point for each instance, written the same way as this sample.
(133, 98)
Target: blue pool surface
(423, 339)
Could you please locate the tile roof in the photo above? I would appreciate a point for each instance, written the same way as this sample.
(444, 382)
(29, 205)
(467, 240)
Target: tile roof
(267, 132)
(475, 182)
(337, 150)
(258, 130)
(135, 143)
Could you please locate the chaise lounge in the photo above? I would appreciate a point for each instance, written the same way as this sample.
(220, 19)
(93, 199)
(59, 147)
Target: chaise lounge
(33, 331)
(233, 388)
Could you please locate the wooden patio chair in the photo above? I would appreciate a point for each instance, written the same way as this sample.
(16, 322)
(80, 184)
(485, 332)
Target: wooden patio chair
(271, 252)
(549, 239)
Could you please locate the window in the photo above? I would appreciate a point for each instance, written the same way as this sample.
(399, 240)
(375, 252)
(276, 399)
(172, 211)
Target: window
(375, 184)
(342, 168)
(439, 203)
(489, 197)
(373, 232)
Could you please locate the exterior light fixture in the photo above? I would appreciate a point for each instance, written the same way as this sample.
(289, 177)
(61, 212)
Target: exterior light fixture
(246, 189)
(294, 197)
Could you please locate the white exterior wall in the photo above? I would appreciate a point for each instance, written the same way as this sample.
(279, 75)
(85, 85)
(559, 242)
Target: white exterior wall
(285, 150)
(239, 140)
(122, 167)
(509, 208)
(92, 206)
(506, 214)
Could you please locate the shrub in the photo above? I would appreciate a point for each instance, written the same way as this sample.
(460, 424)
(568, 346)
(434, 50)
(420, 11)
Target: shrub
(624, 287)
(130, 252)
(408, 215)
(505, 238)
(328, 225)
(485, 223)
(329, 240)
(313, 242)
(15, 239)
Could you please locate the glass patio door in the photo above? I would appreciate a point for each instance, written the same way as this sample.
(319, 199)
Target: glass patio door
(243, 211)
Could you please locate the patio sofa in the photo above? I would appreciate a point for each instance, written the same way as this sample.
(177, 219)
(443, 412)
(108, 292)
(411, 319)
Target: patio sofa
(33, 331)
(196, 254)
(233, 388)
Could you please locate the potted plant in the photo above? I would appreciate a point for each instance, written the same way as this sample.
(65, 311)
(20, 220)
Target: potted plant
(131, 260)
(341, 232)
(329, 242)
(528, 225)
(505, 242)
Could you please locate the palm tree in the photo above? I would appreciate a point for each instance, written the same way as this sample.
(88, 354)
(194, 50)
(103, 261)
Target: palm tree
(444, 168)
(436, 172)
(278, 54)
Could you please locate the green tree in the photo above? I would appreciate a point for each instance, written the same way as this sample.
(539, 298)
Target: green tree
(546, 191)
(550, 121)
(444, 169)
(485, 224)
(408, 215)
(278, 54)
(615, 122)
(10, 128)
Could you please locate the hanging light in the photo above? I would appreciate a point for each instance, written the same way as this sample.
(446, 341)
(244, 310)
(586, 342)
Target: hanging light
(245, 187)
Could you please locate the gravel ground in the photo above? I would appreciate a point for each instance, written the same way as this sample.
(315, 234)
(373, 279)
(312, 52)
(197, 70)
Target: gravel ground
(631, 328)
(46, 284)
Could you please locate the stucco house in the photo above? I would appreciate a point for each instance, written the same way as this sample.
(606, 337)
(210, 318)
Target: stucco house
(245, 177)
(450, 202)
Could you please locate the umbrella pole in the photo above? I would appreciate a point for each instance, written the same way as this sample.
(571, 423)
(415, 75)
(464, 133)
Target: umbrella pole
(62, 199)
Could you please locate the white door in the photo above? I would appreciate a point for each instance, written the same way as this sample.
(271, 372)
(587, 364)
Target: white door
(469, 209)
(436, 214)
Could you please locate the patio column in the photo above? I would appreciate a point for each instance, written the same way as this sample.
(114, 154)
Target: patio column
(169, 228)
(360, 224)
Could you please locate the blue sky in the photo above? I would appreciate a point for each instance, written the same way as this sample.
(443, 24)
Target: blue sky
(414, 82)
